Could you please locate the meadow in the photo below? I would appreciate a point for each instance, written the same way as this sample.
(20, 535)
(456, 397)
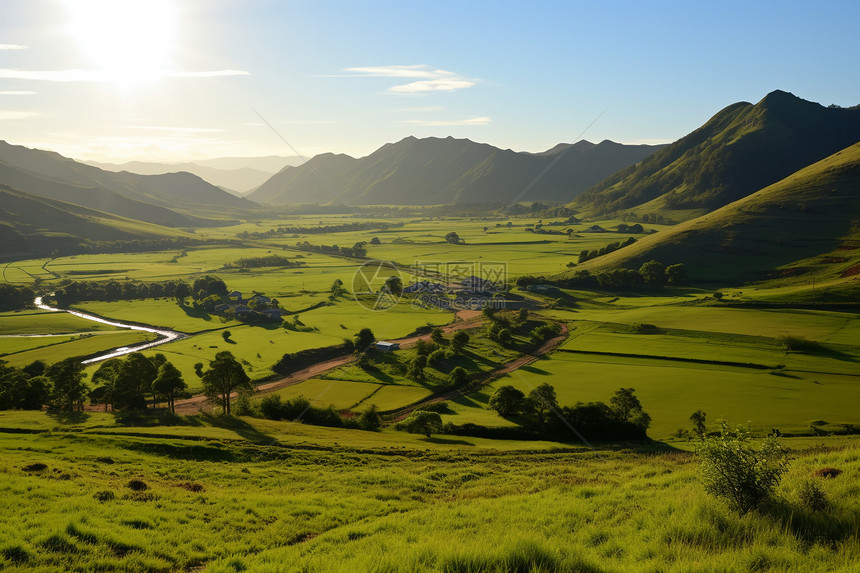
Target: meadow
(218, 495)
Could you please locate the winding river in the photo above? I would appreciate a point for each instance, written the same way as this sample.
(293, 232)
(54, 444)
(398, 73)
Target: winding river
(166, 335)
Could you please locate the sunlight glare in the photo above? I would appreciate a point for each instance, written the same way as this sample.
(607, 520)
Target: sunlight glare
(129, 41)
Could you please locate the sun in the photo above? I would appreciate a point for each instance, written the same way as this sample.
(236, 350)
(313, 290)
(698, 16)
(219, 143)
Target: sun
(129, 42)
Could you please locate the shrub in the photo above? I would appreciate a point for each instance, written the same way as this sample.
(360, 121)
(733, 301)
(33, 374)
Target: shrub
(104, 495)
(507, 401)
(437, 358)
(812, 497)
(438, 407)
(736, 471)
(369, 419)
(798, 344)
(137, 485)
(422, 422)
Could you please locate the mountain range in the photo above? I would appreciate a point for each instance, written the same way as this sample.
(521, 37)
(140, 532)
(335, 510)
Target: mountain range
(740, 150)
(805, 225)
(238, 175)
(434, 171)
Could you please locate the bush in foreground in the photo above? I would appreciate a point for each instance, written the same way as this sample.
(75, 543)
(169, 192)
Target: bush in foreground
(735, 470)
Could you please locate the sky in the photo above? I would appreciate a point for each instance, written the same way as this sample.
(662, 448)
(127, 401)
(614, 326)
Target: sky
(179, 80)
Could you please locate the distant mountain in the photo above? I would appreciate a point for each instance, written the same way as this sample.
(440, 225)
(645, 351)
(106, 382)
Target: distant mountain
(808, 222)
(172, 199)
(440, 171)
(238, 179)
(740, 150)
(32, 225)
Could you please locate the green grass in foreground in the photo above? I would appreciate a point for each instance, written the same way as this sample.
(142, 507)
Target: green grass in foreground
(225, 505)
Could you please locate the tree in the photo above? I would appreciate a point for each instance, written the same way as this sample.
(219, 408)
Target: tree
(69, 389)
(504, 337)
(507, 401)
(653, 273)
(394, 285)
(416, 367)
(454, 238)
(459, 341)
(104, 380)
(627, 408)
(133, 381)
(437, 336)
(198, 369)
(544, 402)
(370, 419)
(225, 376)
(698, 419)
(337, 288)
(423, 422)
(676, 274)
(226, 335)
(169, 384)
(523, 315)
(364, 339)
(458, 376)
(375, 241)
(736, 471)
(181, 291)
(19, 391)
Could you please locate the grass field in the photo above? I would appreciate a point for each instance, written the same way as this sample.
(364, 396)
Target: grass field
(226, 504)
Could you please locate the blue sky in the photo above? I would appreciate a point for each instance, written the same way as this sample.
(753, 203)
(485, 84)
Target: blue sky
(166, 80)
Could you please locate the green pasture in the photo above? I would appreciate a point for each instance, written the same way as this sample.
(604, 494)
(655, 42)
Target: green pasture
(46, 322)
(12, 344)
(80, 346)
(671, 391)
(342, 394)
(323, 499)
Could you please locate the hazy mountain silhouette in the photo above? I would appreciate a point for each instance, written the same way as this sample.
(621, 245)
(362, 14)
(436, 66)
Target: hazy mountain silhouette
(439, 171)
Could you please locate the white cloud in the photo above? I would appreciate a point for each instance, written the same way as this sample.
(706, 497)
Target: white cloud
(427, 108)
(16, 93)
(102, 76)
(4, 115)
(427, 79)
(471, 121)
(174, 129)
(12, 47)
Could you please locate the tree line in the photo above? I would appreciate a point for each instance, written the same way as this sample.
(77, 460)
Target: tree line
(650, 275)
(319, 230)
(125, 383)
(358, 250)
(71, 291)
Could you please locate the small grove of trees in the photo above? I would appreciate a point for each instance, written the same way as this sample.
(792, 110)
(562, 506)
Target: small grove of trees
(586, 255)
(650, 275)
(454, 238)
(124, 383)
(14, 297)
(421, 422)
(737, 471)
(71, 292)
(224, 377)
(24, 388)
(358, 250)
(273, 407)
(622, 418)
(267, 261)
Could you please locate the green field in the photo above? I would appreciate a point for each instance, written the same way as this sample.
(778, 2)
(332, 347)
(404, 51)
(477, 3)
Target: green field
(229, 503)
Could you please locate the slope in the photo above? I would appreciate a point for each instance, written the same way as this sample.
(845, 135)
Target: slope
(806, 225)
(97, 198)
(741, 149)
(33, 225)
(439, 171)
(173, 191)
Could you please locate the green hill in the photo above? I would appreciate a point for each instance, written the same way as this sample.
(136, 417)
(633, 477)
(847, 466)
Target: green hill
(742, 149)
(50, 174)
(803, 227)
(435, 171)
(33, 225)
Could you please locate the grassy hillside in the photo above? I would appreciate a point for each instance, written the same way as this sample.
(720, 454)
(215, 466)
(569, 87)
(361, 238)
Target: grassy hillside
(434, 171)
(805, 226)
(247, 495)
(741, 149)
(170, 191)
(31, 225)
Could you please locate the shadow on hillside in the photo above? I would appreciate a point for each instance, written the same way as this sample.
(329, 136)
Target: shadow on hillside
(157, 417)
(196, 312)
(449, 441)
(241, 427)
(378, 374)
(829, 526)
(534, 370)
(68, 418)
